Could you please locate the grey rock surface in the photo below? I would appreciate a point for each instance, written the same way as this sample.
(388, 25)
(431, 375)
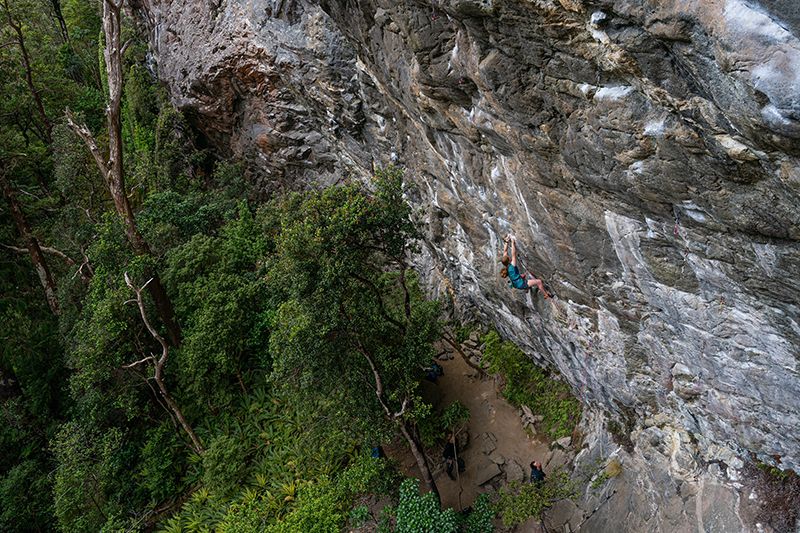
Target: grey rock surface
(513, 471)
(487, 471)
(644, 152)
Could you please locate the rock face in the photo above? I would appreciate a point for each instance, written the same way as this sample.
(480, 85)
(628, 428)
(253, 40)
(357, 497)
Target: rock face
(644, 152)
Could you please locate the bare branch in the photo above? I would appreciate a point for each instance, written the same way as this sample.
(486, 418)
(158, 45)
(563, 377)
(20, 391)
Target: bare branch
(83, 132)
(158, 365)
(148, 325)
(402, 410)
(149, 358)
(58, 253)
(46, 249)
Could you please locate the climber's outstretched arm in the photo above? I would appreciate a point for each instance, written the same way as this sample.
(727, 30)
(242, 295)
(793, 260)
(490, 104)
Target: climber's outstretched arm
(514, 252)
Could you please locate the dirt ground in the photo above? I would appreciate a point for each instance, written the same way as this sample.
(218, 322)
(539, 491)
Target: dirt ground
(489, 413)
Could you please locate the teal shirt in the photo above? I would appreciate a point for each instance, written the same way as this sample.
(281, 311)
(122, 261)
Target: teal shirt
(514, 279)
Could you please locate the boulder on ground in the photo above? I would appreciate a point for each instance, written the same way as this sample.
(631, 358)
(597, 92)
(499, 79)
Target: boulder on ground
(486, 472)
(488, 443)
(497, 458)
(558, 458)
(563, 443)
(514, 471)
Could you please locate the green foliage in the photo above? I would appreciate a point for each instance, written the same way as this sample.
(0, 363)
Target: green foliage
(462, 331)
(530, 385)
(25, 497)
(481, 518)
(89, 464)
(159, 474)
(417, 513)
(455, 416)
(519, 502)
(349, 301)
(772, 471)
(358, 515)
(220, 291)
(223, 464)
(256, 294)
(433, 427)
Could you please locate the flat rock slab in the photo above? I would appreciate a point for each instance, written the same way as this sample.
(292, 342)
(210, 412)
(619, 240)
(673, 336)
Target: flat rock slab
(497, 458)
(558, 458)
(487, 472)
(488, 443)
(563, 513)
(514, 471)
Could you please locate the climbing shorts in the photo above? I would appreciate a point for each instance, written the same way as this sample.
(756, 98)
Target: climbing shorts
(515, 280)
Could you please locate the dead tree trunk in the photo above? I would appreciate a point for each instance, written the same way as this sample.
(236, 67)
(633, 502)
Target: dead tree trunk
(32, 244)
(112, 167)
(419, 456)
(158, 367)
(403, 425)
(28, 69)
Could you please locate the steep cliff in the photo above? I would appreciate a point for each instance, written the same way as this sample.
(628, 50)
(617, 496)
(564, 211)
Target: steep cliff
(644, 152)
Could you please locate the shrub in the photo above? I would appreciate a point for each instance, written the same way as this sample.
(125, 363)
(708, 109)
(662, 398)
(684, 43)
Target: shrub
(527, 384)
(520, 501)
(224, 464)
(417, 513)
(481, 518)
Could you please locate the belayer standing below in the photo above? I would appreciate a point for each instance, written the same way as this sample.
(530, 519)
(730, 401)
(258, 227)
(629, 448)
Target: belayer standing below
(524, 281)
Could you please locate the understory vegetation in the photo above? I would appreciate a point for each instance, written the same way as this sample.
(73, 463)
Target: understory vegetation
(532, 386)
(177, 355)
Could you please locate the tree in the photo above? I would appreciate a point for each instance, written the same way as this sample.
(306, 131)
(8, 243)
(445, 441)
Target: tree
(158, 363)
(351, 319)
(32, 244)
(46, 128)
(111, 167)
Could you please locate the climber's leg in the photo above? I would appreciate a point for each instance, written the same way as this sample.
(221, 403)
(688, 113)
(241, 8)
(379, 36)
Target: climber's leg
(535, 282)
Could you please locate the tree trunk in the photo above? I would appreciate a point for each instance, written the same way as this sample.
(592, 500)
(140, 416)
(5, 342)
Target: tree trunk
(112, 169)
(173, 406)
(158, 364)
(26, 65)
(62, 24)
(35, 251)
(419, 455)
(116, 175)
(405, 428)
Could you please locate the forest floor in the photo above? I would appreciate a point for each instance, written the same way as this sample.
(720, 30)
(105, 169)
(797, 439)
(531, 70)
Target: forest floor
(499, 448)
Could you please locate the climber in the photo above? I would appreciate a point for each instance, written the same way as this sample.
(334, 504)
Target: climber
(537, 474)
(433, 372)
(524, 281)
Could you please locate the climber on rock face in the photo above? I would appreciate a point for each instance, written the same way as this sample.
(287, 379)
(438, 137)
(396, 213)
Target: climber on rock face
(524, 281)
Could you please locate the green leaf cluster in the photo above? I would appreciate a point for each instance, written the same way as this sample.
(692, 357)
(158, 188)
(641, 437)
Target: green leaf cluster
(518, 502)
(417, 513)
(434, 427)
(533, 386)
